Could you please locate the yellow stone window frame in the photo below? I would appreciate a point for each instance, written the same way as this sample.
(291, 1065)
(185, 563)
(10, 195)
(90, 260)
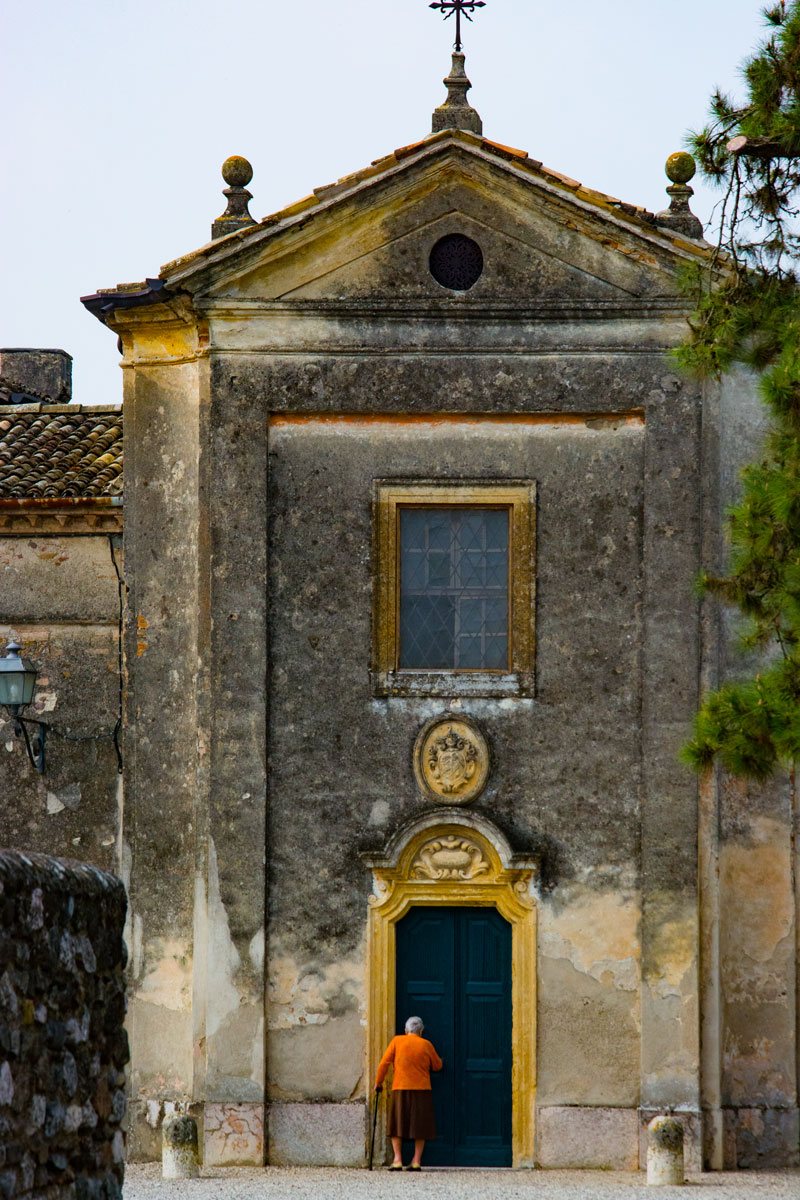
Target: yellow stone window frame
(491, 879)
(519, 497)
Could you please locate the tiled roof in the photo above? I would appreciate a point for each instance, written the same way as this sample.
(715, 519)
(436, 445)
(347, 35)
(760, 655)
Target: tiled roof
(66, 450)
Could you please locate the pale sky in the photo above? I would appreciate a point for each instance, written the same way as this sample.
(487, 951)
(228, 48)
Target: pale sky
(118, 113)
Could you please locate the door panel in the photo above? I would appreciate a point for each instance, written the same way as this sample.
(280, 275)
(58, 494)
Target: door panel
(454, 971)
(426, 970)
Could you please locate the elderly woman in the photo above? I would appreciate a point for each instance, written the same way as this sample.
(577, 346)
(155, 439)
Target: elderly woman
(411, 1109)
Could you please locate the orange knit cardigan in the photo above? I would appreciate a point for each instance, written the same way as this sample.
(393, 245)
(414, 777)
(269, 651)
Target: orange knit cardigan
(413, 1058)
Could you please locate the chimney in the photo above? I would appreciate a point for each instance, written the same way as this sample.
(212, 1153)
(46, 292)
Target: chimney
(35, 377)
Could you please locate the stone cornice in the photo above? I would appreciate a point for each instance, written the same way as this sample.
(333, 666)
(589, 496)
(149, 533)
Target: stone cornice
(65, 517)
(653, 308)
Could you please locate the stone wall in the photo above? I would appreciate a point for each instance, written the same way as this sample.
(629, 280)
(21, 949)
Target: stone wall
(60, 600)
(63, 1048)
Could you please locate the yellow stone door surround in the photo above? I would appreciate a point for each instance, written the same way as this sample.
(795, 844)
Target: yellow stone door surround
(452, 857)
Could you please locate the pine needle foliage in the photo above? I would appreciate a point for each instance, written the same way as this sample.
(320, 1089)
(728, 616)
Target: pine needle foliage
(747, 310)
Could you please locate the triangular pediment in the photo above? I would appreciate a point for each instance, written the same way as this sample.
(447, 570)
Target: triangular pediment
(370, 237)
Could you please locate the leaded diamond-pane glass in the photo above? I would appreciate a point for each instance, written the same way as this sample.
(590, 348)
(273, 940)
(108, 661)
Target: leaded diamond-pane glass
(454, 589)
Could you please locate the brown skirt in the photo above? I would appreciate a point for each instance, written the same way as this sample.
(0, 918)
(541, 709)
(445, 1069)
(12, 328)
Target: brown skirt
(411, 1115)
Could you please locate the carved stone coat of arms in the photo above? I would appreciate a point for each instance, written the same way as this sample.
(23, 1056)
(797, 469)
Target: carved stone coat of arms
(451, 761)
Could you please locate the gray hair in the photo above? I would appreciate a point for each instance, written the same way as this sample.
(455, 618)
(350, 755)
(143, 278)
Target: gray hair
(414, 1025)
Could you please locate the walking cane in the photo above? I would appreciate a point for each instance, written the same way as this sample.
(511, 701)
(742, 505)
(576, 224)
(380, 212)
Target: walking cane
(374, 1124)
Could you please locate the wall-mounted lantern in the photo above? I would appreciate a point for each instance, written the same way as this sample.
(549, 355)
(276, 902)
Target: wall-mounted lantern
(17, 685)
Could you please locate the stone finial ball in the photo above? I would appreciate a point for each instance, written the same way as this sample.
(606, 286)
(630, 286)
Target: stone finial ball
(236, 171)
(681, 167)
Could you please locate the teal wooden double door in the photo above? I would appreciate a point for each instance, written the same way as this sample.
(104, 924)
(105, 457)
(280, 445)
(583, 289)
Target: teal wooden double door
(454, 971)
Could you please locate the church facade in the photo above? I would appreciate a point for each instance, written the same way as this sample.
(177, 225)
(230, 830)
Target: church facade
(414, 503)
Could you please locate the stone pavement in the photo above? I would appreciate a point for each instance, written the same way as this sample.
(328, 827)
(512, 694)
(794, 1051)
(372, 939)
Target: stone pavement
(277, 1183)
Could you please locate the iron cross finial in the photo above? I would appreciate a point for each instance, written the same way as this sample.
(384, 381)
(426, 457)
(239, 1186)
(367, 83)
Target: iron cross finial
(448, 7)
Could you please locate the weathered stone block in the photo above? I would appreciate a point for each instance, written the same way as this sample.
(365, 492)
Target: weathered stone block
(588, 1138)
(233, 1135)
(316, 1135)
(765, 1138)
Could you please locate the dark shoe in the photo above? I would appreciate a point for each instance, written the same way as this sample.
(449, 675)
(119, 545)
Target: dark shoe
(396, 1167)
(413, 1167)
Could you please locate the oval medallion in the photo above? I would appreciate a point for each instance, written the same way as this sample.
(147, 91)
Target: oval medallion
(451, 760)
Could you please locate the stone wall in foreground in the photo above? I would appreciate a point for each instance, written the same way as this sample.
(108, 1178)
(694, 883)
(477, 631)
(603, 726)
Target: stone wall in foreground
(63, 1048)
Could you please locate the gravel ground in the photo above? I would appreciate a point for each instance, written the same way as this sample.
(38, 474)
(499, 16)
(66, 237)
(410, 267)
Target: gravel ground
(276, 1183)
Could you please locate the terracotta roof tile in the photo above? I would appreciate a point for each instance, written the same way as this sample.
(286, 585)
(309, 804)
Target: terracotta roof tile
(54, 451)
(511, 151)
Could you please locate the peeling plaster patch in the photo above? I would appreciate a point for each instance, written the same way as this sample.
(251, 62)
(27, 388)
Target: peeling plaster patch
(124, 863)
(755, 1072)
(599, 935)
(201, 948)
(45, 702)
(380, 813)
(320, 1062)
(54, 805)
(256, 950)
(756, 985)
(223, 957)
(153, 1116)
(673, 958)
(669, 1053)
(312, 993)
(759, 872)
(168, 983)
